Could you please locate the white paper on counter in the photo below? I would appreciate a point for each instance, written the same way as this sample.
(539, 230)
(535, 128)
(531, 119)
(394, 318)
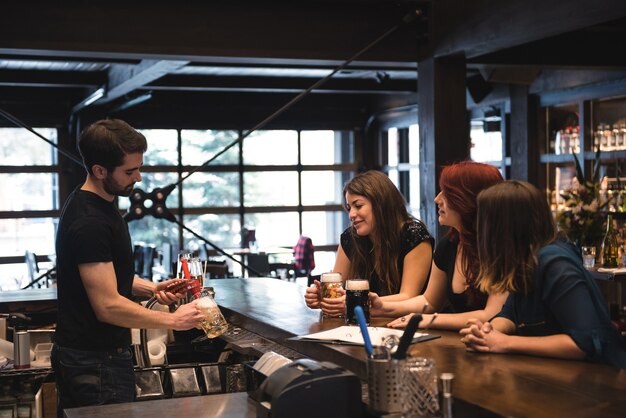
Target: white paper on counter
(352, 335)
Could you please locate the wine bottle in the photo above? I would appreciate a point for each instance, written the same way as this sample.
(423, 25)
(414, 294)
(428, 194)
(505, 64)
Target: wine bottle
(610, 246)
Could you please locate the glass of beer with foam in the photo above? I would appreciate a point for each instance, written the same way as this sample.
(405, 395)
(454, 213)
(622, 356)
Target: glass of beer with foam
(331, 283)
(357, 294)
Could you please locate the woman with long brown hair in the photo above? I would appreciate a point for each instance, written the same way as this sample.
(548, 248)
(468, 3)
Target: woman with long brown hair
(452, 284)
(384, 243)
(554, 307)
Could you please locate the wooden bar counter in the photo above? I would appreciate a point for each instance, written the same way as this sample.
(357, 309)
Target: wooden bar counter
(506, 385)
(509, 385)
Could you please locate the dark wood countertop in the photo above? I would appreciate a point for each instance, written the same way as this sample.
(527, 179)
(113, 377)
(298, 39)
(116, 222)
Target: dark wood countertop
(510, 385)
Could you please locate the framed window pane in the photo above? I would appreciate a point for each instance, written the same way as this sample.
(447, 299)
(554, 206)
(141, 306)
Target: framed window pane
(486, 146)
(149, 182)
(318, 147)
(200, 146)
(324, 228)
(275, 229)
(414, 192)
(211, 189)
(322, 188)
(270, 188)
(20, 147)
(162, 147)
(394, 177)
(222, 230)
(271, 148)
(33, 234)
(392, 144)
(28, 191)
(324, 261)
(414, 145)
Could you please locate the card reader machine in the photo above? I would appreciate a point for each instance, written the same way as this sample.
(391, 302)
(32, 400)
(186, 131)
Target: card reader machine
(307, 388)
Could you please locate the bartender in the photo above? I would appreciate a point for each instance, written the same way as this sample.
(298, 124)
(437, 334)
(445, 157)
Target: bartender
(91, 355)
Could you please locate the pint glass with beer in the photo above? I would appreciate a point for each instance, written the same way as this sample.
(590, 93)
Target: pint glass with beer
(357, 293)
(330, 285)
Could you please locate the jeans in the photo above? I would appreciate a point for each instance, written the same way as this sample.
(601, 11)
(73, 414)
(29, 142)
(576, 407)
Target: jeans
(92, 377)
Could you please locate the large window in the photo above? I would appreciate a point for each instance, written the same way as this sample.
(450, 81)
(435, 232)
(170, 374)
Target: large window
(402, 152)
(280, 183)
(29, 206)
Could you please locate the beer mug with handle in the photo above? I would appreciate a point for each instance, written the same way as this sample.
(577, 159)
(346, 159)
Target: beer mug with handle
(214, 324)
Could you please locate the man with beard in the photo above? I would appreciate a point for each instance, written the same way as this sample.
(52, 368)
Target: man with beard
(91, 355)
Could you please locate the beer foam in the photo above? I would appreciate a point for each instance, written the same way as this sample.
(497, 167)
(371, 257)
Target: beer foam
(205, 303)
(331, 278)
(357, 285)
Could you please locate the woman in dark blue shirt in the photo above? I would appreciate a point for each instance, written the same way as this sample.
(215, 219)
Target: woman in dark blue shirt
(554, 307)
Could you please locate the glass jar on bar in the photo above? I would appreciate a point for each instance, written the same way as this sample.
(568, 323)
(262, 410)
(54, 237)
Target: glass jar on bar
(357, 294)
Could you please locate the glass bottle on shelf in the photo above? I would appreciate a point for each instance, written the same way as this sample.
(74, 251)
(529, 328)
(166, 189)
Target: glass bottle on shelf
(619, 138)
(603, 137)
(615, 140)
(566, 140)
(610, 139)
(575, 139)
(597, 137)
(610, 245)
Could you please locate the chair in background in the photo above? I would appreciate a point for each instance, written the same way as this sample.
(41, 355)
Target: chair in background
(304, 256)
(216, 269)
(37, 279)
(260, 264)
(31, 265)
(283, 270)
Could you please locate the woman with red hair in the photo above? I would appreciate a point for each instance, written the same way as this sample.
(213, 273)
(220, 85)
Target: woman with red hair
(451, 287)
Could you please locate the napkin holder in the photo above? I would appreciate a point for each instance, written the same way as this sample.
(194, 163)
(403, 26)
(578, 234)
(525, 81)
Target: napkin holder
(310, 389)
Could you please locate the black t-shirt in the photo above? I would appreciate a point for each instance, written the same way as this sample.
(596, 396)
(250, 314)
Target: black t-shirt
(414, 232)
(91, 230)
(444, 258)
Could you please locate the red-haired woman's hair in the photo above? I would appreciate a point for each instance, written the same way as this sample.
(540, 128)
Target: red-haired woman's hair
(460, 184)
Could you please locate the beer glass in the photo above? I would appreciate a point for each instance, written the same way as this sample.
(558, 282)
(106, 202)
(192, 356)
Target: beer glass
(330, 284)
(213, 323)
(357, 293)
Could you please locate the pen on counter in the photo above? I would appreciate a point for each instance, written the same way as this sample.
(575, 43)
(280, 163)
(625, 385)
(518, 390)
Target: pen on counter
(360, 317)
(407, 337)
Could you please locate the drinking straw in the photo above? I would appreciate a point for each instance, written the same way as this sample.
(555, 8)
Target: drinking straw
(407, 337)
(186, 272)
(360, 317)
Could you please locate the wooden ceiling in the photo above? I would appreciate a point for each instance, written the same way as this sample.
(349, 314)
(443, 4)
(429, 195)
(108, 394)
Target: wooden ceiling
(230, 64)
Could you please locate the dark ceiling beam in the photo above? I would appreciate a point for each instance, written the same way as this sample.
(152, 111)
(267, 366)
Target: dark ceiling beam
(57, 79)
(481, 27)
(592, 47)
(124, 79)
(377, 84)
(561, 86)
(190, 30)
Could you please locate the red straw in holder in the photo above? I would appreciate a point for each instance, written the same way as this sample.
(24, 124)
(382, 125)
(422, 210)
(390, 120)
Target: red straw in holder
(186, 272)
(194, 285)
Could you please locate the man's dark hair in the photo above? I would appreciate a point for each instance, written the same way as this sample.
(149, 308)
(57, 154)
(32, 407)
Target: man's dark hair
(106, 142)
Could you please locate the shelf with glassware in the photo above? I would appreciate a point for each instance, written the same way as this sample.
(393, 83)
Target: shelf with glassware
(603, 125)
